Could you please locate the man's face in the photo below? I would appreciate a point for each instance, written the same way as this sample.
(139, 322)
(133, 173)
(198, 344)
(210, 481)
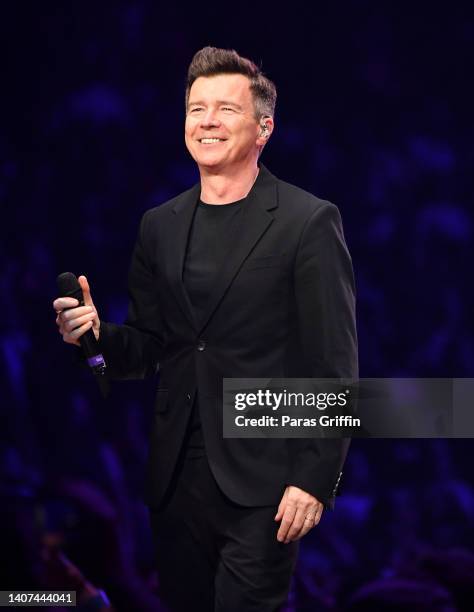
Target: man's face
(221, 131)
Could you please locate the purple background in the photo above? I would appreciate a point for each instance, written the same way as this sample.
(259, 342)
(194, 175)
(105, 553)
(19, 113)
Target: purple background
(375, 114)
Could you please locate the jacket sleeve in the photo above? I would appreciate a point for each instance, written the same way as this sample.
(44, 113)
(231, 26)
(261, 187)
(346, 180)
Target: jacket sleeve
(133, 350)
(325, 298)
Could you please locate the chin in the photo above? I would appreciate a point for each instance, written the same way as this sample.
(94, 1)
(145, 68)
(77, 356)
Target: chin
(208, 161)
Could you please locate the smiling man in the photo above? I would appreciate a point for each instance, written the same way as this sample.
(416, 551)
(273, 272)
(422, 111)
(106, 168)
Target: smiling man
(224, 134)
(243, 275)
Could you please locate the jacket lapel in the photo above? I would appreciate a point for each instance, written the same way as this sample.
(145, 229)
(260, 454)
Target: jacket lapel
(254, 221)
(182, 218)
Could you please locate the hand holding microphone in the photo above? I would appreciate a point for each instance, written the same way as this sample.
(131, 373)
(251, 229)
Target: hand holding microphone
(74, 319)
(79, 323)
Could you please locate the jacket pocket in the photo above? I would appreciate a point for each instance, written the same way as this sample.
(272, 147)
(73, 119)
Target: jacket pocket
(267, 261)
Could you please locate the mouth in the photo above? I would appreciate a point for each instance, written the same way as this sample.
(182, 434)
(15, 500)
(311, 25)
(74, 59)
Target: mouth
(211, 140)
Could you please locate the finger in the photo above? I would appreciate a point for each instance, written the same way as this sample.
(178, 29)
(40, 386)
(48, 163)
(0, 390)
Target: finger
(69, 340)
(310, 515)
(297, 525)
(72, 324)
(282, 506)
(61, 303)
(307, 526)
(75, 313)
(319, 514)
(73, 336)
(67, 319)
(286, 522)
(86, 290)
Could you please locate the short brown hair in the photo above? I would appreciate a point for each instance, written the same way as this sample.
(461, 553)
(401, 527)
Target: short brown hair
(211, 61)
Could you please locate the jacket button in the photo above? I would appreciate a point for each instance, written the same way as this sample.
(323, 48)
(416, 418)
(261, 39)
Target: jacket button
(188, 397)
(201, 345)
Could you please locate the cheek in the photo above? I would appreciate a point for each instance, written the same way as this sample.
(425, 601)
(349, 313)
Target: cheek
(189, 142)
(249, 133)
(189, 127)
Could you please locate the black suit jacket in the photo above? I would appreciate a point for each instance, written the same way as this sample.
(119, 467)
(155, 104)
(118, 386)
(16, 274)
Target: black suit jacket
(282, 306)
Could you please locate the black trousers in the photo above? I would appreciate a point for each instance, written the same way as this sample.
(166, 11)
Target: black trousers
(214, 555)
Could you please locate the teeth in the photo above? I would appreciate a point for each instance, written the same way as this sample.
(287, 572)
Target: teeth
(209, 140)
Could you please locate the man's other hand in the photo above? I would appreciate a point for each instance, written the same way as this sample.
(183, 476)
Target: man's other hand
(298, 512)
(74, 320)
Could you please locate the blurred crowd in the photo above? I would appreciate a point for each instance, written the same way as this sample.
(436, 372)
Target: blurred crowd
(378, 122)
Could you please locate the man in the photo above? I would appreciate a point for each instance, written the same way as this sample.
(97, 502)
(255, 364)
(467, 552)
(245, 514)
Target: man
(243, 275)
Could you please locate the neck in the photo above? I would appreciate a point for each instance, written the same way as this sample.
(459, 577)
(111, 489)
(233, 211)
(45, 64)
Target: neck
(227, 187)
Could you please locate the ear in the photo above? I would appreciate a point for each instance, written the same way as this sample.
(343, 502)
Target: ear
(266, 126)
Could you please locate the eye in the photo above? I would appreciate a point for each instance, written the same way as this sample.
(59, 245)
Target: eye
(196, 109)
(227, 109)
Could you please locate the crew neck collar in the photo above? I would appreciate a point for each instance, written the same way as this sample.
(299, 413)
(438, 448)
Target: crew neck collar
(220, 206)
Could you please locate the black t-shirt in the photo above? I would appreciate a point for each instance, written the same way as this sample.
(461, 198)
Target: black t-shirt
(208, 246)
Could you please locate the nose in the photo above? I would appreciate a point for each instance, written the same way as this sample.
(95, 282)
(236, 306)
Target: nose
(210, 119)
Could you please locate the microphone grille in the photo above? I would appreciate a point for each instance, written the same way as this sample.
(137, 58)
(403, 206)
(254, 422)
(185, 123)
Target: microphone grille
(68, 285)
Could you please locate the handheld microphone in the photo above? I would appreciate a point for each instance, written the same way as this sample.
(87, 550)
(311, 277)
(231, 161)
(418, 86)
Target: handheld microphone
(68, 286)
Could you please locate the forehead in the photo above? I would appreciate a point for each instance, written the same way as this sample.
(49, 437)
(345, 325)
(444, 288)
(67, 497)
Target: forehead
(221, 87)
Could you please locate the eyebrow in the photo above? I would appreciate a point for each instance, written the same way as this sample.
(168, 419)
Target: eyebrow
(227, 102)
